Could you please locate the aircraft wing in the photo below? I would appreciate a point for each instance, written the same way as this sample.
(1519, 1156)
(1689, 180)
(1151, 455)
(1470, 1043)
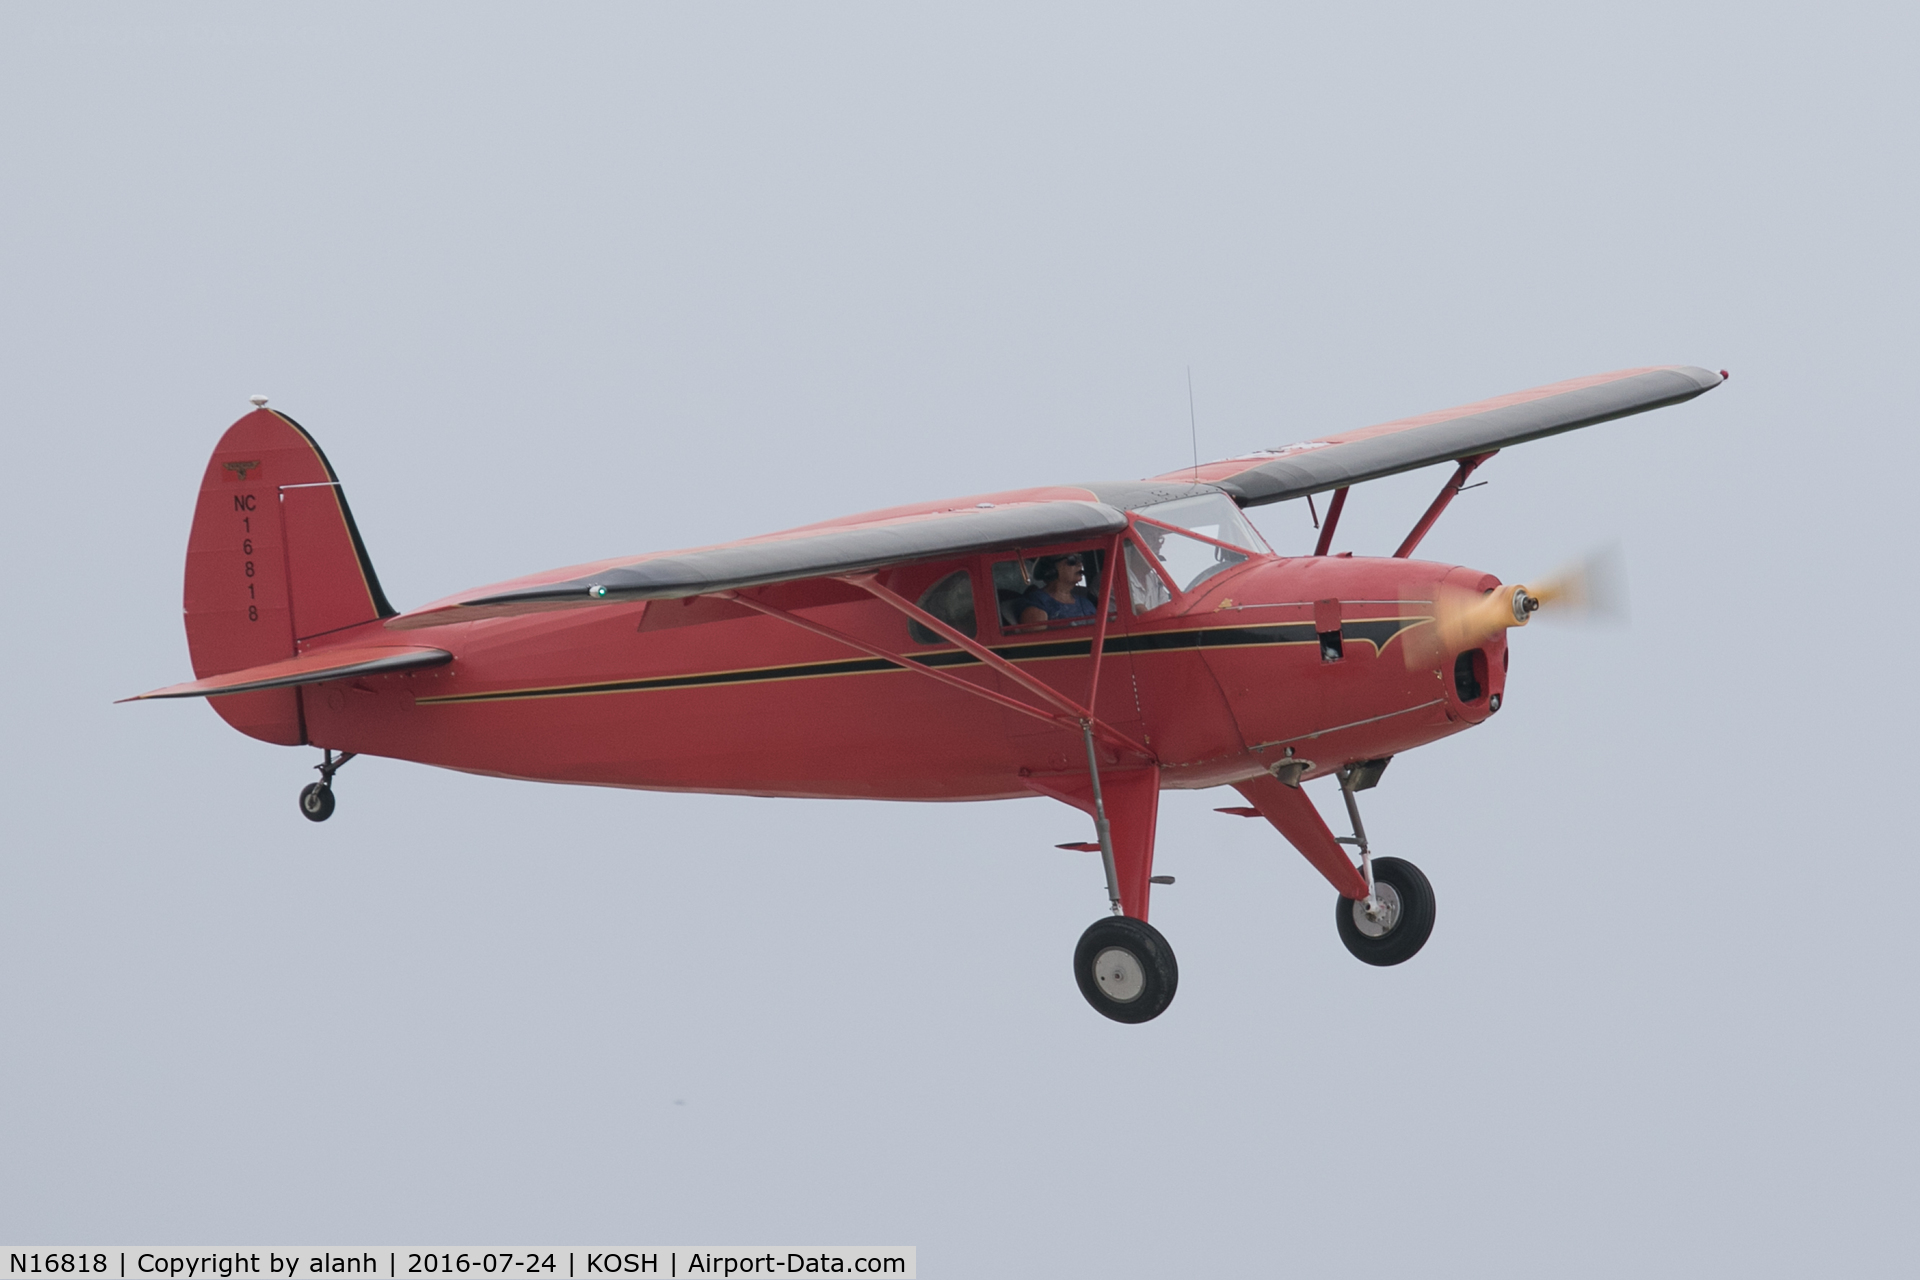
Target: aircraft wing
(1333, 462)
(307, 668)
(858, 548)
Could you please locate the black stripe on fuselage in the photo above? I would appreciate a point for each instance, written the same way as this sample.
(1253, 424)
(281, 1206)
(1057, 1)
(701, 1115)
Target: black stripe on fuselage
(1375, 631)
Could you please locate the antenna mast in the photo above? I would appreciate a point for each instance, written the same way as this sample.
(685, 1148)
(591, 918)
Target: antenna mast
(1193, 426)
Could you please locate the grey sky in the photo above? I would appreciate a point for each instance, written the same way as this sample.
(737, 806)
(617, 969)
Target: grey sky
(559, 283)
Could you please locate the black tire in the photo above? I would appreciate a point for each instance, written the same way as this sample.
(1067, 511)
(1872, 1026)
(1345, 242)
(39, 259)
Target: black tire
(316, 802)
(1411, 927)
(1139, 981)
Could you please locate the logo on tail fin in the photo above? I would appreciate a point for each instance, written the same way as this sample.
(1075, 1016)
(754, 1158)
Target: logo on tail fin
(241, 468)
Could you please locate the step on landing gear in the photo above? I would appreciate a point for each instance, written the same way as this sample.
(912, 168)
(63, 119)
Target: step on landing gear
(316, 798)
(1395, 919)
(1125, 969)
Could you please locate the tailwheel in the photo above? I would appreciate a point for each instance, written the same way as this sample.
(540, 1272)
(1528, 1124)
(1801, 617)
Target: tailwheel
(316, 798)
(1399, 920)
(316, 802)
(1125, 969)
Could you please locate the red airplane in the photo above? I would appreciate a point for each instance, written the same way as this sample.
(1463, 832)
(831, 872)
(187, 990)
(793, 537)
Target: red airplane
(1094, 643)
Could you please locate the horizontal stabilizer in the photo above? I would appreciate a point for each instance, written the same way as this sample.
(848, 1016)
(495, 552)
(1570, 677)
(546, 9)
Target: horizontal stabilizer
(308, 668)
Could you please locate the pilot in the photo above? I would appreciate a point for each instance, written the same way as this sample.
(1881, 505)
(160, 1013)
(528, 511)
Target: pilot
(1056, 593)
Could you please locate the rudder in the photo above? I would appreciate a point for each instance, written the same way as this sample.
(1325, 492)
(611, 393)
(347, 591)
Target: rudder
(274, 559)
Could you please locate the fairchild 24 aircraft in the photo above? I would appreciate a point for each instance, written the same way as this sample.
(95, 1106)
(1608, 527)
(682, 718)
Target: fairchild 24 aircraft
(1094, 643)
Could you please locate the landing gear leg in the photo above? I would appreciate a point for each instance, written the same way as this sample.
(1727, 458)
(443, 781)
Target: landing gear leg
(1102, 828)
(1123, 965)
(1395, 919)
(316, 798)
(1371, 904)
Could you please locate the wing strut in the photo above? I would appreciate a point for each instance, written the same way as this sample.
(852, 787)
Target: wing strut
(1440, 501)
(1333, 520)
(899, 660)
(1075, 714)
(1065, 712)
(1100, 625)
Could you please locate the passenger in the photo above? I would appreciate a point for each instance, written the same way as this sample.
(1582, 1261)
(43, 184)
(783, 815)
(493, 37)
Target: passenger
(1056, 593)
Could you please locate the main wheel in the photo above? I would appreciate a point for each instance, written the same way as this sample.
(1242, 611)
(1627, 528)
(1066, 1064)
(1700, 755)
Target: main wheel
(1125, 969)
(1404, 923)
(316, 802)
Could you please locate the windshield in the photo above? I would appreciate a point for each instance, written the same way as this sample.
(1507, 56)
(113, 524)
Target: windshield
(1189, 561)
(1211, 515)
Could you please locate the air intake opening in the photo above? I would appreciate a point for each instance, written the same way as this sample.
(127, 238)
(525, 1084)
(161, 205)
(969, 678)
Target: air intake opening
(1470, 675)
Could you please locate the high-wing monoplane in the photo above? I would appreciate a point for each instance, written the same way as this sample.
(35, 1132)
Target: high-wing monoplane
(1092, 643)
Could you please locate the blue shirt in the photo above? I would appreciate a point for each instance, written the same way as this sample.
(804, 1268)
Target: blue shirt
(1081, 606)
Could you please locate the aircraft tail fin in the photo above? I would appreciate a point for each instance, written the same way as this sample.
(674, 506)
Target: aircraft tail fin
(274, 558)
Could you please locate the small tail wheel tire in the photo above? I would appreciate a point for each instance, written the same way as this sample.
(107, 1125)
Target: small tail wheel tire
(316, 802)
(1405, 920)
(1126, 969)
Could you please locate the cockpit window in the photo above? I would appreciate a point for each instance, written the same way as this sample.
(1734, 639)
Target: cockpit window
(951, 601)
(1189, 561)
(1144, 587)
(1041, 592)
(1212, 515)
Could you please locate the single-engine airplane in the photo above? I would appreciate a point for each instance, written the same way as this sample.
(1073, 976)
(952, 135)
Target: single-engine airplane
(1094, 643)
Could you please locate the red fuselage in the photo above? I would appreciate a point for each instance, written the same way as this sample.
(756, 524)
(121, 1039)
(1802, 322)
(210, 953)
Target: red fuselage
(700, 695)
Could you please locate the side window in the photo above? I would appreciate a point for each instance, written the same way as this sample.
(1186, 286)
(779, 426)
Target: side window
(1188, 561)
(951, 601)
(1058, 590)
(1144, 587)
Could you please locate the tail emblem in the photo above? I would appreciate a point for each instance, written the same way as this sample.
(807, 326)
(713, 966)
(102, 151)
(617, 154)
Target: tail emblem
(241, 468)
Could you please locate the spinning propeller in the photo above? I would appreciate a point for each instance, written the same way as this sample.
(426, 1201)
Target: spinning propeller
(1464, 619)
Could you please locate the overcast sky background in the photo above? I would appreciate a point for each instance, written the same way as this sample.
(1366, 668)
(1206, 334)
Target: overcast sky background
(552, 285)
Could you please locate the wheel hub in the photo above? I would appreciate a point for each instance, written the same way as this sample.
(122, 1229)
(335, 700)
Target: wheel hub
(1378, 921)
(1119, 974)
